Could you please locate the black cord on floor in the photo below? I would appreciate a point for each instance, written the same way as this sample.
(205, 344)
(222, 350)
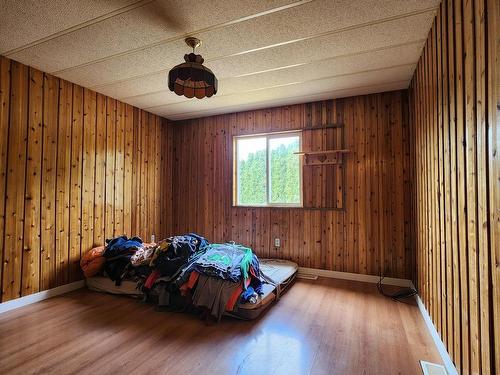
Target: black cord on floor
(397, 296)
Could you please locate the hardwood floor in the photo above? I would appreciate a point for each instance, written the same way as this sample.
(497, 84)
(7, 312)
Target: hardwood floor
(318, 327)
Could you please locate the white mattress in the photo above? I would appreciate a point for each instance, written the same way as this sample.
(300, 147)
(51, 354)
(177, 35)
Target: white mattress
(106, 285)
(279, 271)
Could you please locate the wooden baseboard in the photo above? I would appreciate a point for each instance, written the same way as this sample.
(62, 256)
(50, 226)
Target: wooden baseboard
(355, 277)
(40, 296)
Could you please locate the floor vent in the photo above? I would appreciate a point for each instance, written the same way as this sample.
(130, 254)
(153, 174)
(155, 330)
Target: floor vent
(429, 368)
(307, 276)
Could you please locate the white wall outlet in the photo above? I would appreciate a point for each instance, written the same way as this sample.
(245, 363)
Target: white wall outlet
(153, 238)
(277, 242)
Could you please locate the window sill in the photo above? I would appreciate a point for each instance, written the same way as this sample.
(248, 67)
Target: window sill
(269, 206)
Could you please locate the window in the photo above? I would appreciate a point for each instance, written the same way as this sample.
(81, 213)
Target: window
(267, 170)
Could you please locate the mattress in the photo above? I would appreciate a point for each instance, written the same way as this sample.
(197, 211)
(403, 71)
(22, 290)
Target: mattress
(106, 285)
(278, 274)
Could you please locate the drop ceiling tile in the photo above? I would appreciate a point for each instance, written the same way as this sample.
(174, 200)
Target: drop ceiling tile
(306, 21)
(317, 70)
(289, 100)
(393, 75)
(164, 57)
(151, 23)
(326, 47)
(25, 21)
(135, 86)
(320, 69)
(286, 55)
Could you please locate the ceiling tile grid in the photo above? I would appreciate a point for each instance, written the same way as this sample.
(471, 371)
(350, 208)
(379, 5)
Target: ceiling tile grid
(264, 52)
(335, 67)
(304, 89)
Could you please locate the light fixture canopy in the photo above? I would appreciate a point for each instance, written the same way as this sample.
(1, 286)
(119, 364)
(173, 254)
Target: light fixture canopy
(191, 78)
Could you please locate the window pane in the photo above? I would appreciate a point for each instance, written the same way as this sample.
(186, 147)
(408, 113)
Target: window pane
(251, 159)
(284, 170)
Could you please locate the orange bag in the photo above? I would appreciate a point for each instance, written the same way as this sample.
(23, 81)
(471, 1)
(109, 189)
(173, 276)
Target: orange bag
(92, 261)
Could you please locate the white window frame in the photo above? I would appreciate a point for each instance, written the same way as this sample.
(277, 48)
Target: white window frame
(268, 137)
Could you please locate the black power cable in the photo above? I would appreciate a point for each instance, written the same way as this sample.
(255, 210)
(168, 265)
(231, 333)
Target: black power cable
(397, 296)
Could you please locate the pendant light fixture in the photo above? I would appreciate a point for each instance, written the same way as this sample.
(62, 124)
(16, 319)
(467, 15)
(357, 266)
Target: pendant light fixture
(191, 78)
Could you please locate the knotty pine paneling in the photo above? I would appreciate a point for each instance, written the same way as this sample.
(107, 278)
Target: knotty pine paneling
(454, 105)
(69, 161)
(369, 235)
(493, 159)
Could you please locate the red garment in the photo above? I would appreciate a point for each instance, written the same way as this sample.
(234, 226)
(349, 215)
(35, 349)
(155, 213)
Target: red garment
(236, 295)
(252, 271)
(193, 278)
(151, 279)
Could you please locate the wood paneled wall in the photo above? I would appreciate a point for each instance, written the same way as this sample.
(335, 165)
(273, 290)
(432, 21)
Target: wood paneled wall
(455, 104)
(324, 187)
(373, 232)
(76, 168)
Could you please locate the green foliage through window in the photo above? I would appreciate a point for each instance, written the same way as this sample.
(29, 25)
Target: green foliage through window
(284, 170)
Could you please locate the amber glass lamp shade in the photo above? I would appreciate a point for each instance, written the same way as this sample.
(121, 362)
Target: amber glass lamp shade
(191, 79)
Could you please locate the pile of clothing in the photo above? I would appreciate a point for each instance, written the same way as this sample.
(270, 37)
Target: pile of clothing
(115, 259)
(181, 273)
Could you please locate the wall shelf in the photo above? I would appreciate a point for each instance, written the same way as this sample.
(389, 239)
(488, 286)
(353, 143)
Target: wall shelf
(322, 152)
(332, 162)
(324, 157)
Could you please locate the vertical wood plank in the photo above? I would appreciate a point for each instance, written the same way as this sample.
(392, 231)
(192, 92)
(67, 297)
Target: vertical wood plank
(434, 128)
(100, 172)
(142, 188)
(49, 182)
(89, 168)
(4, 143)
(32, 196)
(482, 192)
(128, 171)
(455, 245)
(119, 169)
(135, 173)
(14, 198)
(440, 186)
(375, 129)
(75, 203)
(109, 221)
(349, 121)
(493, 137)
(150, 195)
(471, 178)
(448, 264)
(360, 191)
(462, 216)
(63, 182)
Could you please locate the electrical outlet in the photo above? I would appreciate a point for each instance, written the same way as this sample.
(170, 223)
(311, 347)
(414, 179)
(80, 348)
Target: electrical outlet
(277, 242)
(153, 238)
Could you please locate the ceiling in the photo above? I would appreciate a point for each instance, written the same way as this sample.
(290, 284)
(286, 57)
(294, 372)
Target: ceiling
(264, 52)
